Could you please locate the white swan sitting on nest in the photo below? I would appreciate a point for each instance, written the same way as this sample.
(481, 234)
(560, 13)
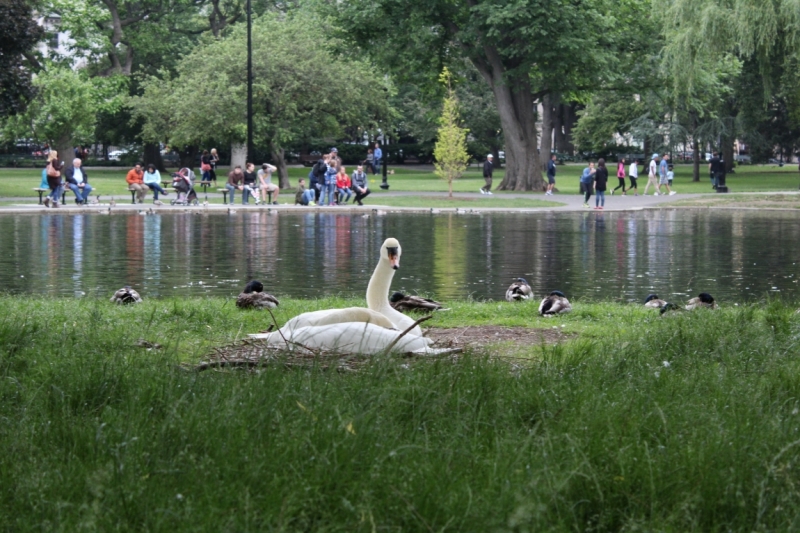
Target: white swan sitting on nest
(357, 329)
(348, 337)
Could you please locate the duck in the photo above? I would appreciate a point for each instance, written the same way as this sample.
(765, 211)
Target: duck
(703, 300)
(402, 302)
(670, 307)
(555, 304)
(253, 297)
(519, 290)
(126, 295)
(654, 302)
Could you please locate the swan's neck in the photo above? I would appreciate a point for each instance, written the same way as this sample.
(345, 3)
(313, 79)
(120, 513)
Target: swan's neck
(378, 288)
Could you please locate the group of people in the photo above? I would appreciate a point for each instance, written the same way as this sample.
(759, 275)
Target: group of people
(329, 183)
(57, 178)
(595, 179)
(251, 183)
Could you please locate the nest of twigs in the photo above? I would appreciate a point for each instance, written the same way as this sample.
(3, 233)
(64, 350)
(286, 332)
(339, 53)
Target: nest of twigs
(252, 353)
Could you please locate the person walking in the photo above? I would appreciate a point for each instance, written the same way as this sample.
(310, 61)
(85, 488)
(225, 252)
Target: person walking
(152, 178)
(78, 181)
(587, 179)
(488, 168)
(371, 161)
(600, 182)
(714, 166)
(633, 175)
(54, 179)
(652, 173)
(620, 177)
(378, 156)
(135, 179)
(205, 166)
(212, 174)
(663, 177)
(551, 175)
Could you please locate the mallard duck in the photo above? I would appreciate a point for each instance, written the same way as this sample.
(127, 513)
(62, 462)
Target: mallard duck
(252, 297)
(519, 290)
(126, 295)
(654, 302)
(703, 300)
(401, 302)
(555, 304)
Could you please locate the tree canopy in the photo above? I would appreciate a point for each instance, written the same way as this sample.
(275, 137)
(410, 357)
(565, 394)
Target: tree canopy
(19, 34)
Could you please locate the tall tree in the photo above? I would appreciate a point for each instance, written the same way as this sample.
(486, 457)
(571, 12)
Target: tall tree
(523, 49)
(19, 34)
(300, 91)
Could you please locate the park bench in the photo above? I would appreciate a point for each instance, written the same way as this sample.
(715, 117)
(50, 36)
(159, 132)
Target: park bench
(225, 196)
(42, 191)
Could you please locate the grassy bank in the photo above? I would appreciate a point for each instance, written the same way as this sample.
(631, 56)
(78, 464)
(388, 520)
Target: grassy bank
(19, 182)
(690, 422)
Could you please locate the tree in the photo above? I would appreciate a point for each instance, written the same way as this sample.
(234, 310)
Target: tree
(19, 34)
(522, 49)
(300, 91)
(451, 146)
(65, 107)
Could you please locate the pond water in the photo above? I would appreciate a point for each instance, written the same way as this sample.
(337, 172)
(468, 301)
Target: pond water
(736, 256)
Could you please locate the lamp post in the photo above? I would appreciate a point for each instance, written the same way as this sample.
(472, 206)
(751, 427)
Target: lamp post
(250, 154)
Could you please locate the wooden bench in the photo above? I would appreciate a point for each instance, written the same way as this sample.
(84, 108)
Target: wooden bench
(41, 192)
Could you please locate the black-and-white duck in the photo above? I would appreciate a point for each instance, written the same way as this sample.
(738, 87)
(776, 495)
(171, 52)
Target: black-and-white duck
(555, 304)
(654, 302)
(702, 301)
(403, 302)
(253, 297)
(519, 290)
(126, 295)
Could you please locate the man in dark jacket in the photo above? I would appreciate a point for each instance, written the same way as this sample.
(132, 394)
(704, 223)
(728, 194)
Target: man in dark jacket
(551, 174)
(78, 181)
(359, 182)
(715, 168)
(488, 167)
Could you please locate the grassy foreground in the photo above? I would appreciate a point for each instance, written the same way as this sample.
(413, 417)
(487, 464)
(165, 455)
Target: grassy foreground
(690, 422)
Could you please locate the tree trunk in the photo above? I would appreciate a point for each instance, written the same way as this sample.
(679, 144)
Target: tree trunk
(278, 156)
(566, 119)
(66, 152)
(549, 110)
(238, 155)
(516, 109)
(187, 156)
(696, 159)
(727, 153)
(152, 154)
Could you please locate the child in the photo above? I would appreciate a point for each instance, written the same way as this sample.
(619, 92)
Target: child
(343, 185)
(329, 188)
(670, 175)
(303, 196)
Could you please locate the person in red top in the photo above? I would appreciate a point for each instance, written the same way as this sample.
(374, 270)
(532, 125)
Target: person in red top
(343, 185)
(135, 179)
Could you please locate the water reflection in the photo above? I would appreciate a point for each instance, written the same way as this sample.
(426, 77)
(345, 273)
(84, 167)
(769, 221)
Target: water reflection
(734, 255)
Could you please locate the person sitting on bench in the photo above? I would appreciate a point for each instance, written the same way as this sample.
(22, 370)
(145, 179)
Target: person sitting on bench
(78, 181)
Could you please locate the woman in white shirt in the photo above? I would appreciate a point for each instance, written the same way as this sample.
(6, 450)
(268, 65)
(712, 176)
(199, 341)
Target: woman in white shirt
(633, 174)
(152, 178)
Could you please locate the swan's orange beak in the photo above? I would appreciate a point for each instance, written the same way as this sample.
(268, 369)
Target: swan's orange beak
(394, 258)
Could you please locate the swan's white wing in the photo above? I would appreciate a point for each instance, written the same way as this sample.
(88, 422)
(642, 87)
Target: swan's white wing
(337, 316)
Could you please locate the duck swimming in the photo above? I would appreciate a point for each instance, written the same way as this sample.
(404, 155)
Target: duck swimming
(519, 290)
(703, 300)
(555, 304)
(126, 295)
(402, 302)
(253, 297)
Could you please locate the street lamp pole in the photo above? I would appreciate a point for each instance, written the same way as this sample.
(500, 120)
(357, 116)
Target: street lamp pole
(250, 153)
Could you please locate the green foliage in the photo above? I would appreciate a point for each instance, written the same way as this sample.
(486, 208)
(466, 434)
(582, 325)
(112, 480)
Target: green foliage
(20, 33)
(451, 143)
(300, 90)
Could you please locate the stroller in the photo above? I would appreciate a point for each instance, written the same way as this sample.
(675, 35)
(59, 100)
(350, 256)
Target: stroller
(183, 182)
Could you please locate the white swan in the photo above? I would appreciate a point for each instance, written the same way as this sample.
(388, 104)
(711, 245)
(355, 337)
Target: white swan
(349, 337)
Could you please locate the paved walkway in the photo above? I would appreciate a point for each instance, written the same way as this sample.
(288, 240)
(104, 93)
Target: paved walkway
(570, 202)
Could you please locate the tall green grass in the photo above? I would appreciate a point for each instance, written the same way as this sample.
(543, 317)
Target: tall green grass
(689, 422)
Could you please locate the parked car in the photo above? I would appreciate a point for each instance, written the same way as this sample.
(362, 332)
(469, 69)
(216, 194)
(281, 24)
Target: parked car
(116, 155)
